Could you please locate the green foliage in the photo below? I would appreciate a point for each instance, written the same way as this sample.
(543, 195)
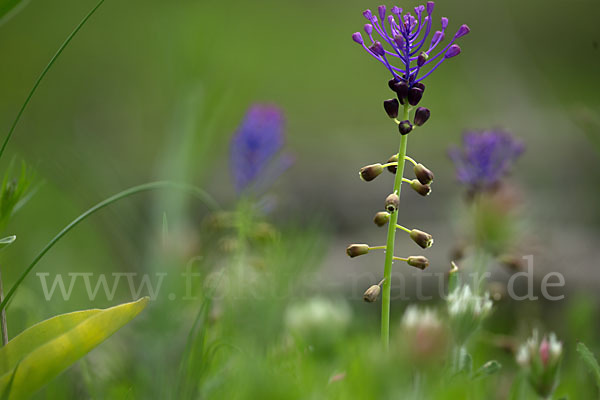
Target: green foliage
(43, 351)
(8, 8)
(590, 360)
(489, 368)
(4, 242)
(13, 192)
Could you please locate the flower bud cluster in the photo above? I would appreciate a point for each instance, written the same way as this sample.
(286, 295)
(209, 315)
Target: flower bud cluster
(541, 360)
(467, 311)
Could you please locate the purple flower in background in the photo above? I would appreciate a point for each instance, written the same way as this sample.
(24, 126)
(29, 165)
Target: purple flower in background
(485, 158)
(256, 142)
(408, 36)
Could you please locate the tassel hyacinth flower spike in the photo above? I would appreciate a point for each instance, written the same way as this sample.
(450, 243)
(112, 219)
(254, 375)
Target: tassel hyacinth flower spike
(404, 43)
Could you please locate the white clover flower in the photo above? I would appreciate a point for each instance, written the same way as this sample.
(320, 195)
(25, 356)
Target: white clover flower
(318, 320)
(423, 335)
(466, 311)
(541, 360)
(415, 318)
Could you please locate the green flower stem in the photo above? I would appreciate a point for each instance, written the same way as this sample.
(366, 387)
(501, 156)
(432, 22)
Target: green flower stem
(405, 229)
(389, 251)
(413, 162)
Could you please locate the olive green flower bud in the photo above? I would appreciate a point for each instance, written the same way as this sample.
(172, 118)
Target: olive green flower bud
(370, 172)
(381, 218)
(371, 294)
(418, 187)
(355, 250)
(405, 127)
(392, 202)
(418, 262)
(424, 175)
(421, 238)
(392, 168)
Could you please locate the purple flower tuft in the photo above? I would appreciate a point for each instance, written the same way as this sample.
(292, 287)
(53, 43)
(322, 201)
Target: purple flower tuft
(453, 51)
(407, 36)
(356, 36)
(381, 10)
(485, 158)
(257, 140)
(462, 31)
(430, 6)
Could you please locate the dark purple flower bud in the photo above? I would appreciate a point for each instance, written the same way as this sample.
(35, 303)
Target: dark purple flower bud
(422, 58)
(430, 6)
(381, 218)
(421, 238)
(424, 175)
(418, 262)
(355, 250)
(422, 114)
(399, 40)
(444, 22)
(381, 10)
(418, 187)
(419, 85)
(391, 107)
(377, 48)
(462, 31)
(368, 29)
(453, 51)
(402, 91)
(370, 172)
(356, 36)
(392, 202)
(405, 127)
(392, 168)
(414, 96)
(367, 14)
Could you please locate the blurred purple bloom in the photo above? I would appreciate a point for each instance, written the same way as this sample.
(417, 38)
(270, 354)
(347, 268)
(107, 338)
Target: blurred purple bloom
(485, 158)
(407, 36)
(256, 142)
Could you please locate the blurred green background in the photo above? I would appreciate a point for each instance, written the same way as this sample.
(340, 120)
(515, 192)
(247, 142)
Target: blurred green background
(153, 90)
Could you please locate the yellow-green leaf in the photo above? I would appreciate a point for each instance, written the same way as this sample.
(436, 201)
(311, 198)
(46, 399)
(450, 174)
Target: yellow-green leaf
(48, 348)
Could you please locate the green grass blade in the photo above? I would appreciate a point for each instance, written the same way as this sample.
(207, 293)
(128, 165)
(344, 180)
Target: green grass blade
(590, 360)
(199, 193)
(43, 74)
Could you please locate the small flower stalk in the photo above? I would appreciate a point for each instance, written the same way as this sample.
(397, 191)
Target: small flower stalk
(410, 48)
(540, 361)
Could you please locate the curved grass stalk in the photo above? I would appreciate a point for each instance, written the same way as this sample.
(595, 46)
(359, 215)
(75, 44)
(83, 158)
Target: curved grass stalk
(201, 194)
(43, 74)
